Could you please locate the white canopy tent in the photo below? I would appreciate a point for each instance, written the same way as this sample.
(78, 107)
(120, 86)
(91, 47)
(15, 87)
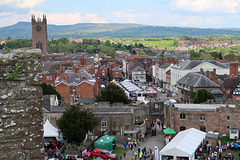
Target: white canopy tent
(49, 130)
(184, 144)
(129, 86)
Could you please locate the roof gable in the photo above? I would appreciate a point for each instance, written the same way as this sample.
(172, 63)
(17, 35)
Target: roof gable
(138, 68)
(197, 80)
(62, 81)
(83, 82)
(197, 64)
(206, 66)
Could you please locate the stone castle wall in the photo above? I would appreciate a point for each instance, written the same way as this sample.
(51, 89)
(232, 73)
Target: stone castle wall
(21, 118)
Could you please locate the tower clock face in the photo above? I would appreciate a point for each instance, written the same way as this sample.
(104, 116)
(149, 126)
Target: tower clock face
(38, 28)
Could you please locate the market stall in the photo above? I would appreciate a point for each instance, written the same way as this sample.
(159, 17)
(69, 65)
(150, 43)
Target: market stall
(105, 142)
(183, 145)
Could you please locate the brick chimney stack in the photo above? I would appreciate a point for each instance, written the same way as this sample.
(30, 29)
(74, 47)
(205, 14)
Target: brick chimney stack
(216, 79)
(233, 69)
(214, 74)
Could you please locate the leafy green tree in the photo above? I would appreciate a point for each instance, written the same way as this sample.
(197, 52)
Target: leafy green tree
(203, 95)
(19, 43)
(48, 89)
(75, 123)
(113, 93)
(107, 43)
(108, 51)
(220, 56)
(206, 56)
(230, 57)
(192, 94)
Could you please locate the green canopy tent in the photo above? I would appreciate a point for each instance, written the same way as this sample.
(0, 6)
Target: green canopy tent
(168, 131)
(105, 142)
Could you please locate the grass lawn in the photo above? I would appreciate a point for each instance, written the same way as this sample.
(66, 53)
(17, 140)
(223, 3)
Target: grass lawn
(224, 140)
(234, 153)
(119, 151)
(169, 44)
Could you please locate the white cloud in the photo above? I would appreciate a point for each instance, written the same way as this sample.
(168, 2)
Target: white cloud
(196, 21)
(21, 3)
(73, 18)
(5, 14)
(69, 18)
(228, 6)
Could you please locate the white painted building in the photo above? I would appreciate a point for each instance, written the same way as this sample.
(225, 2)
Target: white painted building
(183, 68)
(139, 74)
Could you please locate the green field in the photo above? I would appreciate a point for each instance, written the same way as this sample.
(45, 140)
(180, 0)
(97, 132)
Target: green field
(168, 44)
(160, 43)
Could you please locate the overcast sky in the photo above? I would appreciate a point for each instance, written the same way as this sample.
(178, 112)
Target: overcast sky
(182, 13)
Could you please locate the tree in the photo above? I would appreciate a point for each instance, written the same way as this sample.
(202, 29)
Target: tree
(109, 51)
(203, 95)
(48, 89)
(206, 56)
(113, 93)
(192, 94)
(220, 56)
(230, 57)
(75, 123)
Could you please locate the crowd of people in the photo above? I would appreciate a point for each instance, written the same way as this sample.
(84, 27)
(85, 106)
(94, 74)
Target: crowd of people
(139, 153)
(210, 153)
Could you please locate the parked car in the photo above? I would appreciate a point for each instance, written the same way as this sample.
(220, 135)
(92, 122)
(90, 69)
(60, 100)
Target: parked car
(104, 154)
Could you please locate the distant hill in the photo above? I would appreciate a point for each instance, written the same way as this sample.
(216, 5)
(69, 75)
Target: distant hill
(112, 30)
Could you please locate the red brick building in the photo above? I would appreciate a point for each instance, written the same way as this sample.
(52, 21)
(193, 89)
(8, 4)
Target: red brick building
(205, 117)
(231, 83)
(74, 86)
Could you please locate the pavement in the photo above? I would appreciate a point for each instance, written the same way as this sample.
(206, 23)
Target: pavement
(158, 140)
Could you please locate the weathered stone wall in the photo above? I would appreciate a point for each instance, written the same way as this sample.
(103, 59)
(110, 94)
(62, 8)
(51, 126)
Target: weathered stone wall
(21, 118)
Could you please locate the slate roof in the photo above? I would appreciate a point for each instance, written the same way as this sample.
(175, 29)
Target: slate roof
(168, 72)
(200, 107)
(86, 100)
(46, 102)
(165, 65)
(75, 78)
(138, 68)
(230, 82)
(112, 110)
(103, 67)
(117, 68)
(197, 80)
(187, 65)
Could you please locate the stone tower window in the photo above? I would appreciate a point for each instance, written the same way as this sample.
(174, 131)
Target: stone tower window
(202, 117)
(103, 123)
(202, 128)
(38, 28)
(182, 128)
(39, 45)
(182, 116)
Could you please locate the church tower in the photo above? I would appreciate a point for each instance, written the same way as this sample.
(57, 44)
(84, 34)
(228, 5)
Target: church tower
(39, 34)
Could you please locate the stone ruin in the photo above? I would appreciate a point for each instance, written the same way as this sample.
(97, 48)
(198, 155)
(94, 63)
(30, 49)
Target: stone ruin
(21, 118)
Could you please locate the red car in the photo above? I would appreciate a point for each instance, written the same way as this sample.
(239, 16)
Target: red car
(104, 154)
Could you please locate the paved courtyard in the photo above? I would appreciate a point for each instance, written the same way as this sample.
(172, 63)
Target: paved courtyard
(151, 142)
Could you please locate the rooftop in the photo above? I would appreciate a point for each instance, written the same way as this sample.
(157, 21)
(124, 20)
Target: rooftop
(200, 107)
(197, 80)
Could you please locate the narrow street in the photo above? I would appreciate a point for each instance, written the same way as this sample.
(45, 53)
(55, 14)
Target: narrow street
(151, 142)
